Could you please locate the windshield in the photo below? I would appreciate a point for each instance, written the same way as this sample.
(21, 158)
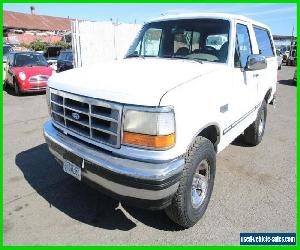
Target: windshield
(52, 52)
(29, 59)
(196, 39)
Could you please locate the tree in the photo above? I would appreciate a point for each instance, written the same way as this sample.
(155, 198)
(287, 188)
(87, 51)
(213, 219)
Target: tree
(63, 44)
(38, 45)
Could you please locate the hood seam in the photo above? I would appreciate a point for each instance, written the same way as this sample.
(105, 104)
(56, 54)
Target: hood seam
(180, 84)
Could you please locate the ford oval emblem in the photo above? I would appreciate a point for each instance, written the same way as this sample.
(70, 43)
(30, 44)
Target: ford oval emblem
(76, 116)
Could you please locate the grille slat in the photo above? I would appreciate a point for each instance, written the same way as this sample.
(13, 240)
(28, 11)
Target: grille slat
(57, 108)
(81, 123)
(104, 117)
(76, 110)
(58, 104)
(97, 120)
(105, 131)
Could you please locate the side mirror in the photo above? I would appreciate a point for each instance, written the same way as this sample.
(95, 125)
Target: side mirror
(256, 62)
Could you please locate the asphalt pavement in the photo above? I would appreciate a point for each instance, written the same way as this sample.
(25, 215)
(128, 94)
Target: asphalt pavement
(255, 187)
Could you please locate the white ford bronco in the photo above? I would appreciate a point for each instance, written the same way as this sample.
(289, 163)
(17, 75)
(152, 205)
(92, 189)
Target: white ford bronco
(146, 129)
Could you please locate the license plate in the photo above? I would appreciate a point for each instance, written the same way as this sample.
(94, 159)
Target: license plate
(72, 169)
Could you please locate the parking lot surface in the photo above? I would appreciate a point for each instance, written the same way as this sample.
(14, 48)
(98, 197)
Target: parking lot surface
(254, 187)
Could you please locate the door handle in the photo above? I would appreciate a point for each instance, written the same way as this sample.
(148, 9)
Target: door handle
(255, 75)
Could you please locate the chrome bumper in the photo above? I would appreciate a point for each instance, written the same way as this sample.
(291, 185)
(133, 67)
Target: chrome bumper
(123, 177)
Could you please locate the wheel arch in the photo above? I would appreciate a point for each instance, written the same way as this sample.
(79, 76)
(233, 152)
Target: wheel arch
(210, 131)
(268, 95)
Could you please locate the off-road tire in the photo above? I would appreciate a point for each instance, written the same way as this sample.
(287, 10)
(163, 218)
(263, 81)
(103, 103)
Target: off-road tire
(181, 210)
(252, 135)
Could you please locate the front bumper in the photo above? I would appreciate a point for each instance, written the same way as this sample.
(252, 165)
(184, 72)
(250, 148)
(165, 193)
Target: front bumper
(33, 88)
(143, 184)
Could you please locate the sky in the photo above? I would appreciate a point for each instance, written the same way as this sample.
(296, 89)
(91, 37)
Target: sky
(281, 18)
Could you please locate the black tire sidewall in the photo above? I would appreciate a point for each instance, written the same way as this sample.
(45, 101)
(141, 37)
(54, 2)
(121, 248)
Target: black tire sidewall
(5, 85)
(17, 88)
(203, 152)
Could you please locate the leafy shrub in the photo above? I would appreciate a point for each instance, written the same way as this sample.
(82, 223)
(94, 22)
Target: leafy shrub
(39, 45)
(63, 44)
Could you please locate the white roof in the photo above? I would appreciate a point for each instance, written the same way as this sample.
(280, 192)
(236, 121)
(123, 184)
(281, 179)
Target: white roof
(210, 15)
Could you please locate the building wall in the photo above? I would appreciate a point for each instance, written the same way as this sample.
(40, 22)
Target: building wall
(95, 42)
(28, 38)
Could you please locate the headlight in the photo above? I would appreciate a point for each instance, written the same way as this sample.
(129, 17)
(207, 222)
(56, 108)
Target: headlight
(153, 128)
(22, 76)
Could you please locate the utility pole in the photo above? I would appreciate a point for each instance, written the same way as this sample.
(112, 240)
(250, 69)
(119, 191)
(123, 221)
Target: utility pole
(292, 38)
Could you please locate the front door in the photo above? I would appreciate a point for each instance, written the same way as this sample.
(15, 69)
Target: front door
(245, 82)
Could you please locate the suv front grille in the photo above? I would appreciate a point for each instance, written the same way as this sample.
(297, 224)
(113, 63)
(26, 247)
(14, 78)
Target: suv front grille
(89, 119)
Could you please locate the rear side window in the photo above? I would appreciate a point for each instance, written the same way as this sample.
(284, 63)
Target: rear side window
(216, 41)
(264, 42)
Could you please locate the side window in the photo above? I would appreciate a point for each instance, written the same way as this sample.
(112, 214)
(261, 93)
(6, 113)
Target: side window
(242, 47)
(186, 42)
(151, 42)
(216, 41)
(195, 41)
(264, 42)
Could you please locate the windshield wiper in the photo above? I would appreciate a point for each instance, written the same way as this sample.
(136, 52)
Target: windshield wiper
(196, 60)
(134, 55)
(185, 58)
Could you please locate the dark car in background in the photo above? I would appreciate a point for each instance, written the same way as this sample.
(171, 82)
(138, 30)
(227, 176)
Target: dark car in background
(65, 60)
(51, 54)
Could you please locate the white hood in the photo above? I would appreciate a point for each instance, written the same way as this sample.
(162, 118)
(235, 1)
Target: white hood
(132, 81)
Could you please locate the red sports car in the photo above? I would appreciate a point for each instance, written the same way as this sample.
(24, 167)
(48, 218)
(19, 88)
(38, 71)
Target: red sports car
(27, 71)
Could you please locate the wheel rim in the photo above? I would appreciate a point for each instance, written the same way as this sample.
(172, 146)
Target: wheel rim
(261, 123)
(200, 184)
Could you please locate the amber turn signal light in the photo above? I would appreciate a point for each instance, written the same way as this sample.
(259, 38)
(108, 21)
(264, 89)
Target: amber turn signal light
(149, 141)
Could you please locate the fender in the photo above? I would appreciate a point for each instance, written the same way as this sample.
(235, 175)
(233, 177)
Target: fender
(216, 125)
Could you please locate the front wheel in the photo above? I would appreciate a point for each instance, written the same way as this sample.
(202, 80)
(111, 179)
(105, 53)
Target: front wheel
(5, 85)
(17, 88)
(254, 133)
(195, 188)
